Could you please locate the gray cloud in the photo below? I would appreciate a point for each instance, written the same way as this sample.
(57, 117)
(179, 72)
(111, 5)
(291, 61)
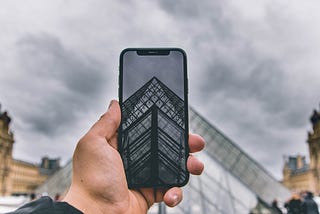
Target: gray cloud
(253, 67)
(59, 84)
(248, 86)
(180, 8)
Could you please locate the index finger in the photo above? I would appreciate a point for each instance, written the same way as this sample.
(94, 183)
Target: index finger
(196, 143)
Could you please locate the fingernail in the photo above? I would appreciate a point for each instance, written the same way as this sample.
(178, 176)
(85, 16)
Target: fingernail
(110, 104)
(175, 199)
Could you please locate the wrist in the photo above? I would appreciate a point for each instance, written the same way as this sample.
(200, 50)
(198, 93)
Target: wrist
(90, 204)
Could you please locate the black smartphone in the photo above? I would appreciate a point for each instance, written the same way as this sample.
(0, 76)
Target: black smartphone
(153, 134)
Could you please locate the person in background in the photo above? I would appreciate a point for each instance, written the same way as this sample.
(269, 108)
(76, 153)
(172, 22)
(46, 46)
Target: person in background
(309, 206)
(32, 196)
(57, 197)
(294, 205)
(275, 208)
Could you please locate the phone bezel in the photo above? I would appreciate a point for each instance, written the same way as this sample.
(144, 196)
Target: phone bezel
(157, 51)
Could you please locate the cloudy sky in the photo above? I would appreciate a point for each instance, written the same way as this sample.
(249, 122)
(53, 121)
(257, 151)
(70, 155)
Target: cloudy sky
(253, 67)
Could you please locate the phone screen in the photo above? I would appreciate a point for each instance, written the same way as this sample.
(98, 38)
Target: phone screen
(153, 134)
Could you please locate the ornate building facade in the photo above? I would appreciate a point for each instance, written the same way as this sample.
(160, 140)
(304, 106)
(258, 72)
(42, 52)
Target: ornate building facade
(297, 174)
(6, 144)
(19, 177)
(25, 177)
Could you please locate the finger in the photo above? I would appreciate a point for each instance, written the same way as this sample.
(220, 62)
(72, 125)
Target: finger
(173, 196)
(196, 143)
(194, 166)
(109, 122)
(152, 195)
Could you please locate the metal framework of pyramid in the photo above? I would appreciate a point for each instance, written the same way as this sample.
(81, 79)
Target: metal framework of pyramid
(153, 136)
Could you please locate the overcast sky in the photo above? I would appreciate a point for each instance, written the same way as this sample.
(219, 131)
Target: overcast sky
(254, 68)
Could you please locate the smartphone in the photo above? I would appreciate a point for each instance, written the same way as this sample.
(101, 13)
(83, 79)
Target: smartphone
(153, 134)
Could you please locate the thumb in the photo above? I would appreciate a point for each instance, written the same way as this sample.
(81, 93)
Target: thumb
(109, 122)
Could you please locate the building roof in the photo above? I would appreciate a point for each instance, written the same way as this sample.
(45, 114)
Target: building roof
(297, 164)
(25, 163)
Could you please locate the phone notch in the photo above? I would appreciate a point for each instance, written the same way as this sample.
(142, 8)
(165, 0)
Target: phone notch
(146, 52)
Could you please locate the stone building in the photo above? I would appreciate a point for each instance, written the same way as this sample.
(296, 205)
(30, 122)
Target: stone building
(6, 143)
(297, 174)
(20, 177)
(25, 177)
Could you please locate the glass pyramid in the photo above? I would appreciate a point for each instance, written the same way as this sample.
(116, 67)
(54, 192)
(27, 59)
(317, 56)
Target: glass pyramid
(232, 182)
(152, 141)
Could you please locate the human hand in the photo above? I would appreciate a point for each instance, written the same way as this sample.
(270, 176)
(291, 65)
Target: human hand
(99, 182)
